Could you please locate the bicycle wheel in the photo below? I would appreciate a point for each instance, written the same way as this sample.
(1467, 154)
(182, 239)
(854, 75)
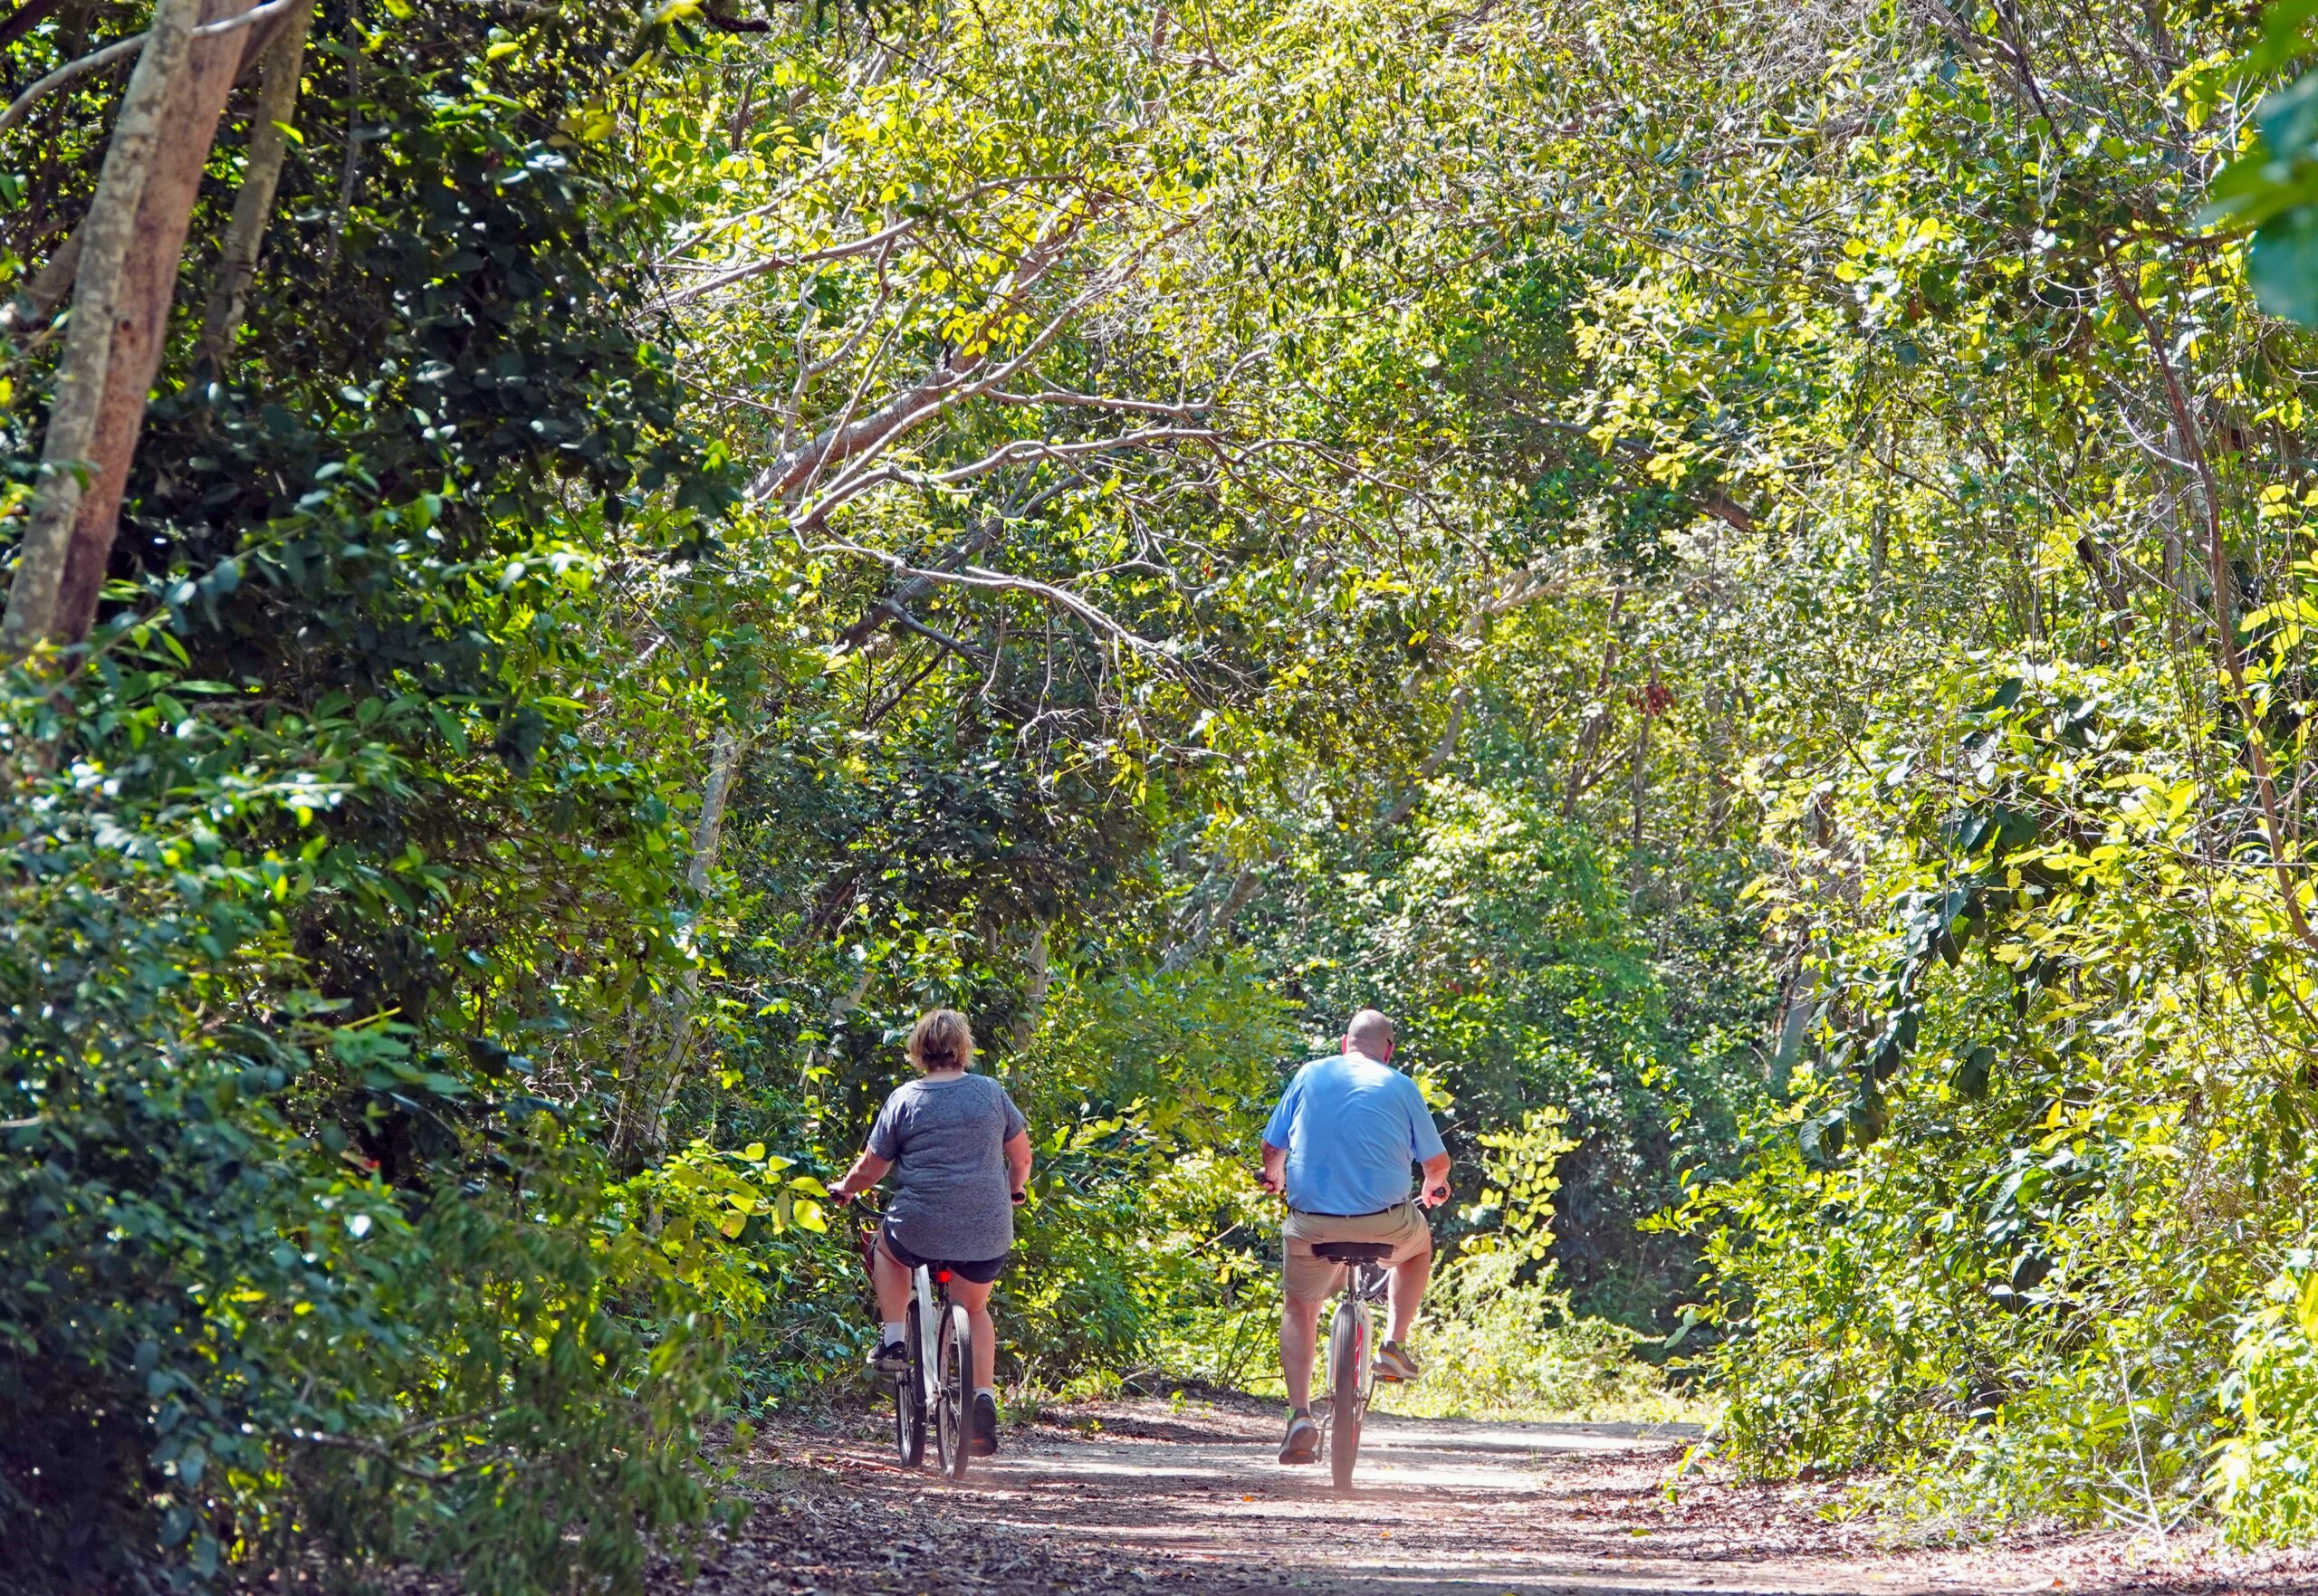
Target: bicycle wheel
(1347, 1405)
(909, 1397)
(953, 1411)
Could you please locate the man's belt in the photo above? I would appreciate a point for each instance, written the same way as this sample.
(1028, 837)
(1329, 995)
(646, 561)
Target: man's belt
(1372, 1213)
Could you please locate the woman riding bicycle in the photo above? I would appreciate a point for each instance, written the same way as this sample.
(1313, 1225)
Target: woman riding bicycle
(961, 1153)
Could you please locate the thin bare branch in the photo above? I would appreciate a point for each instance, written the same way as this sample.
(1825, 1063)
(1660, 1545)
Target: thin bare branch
(73, 71)
(836, 251)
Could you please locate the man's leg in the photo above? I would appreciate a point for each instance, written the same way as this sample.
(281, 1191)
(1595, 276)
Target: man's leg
(1405, 1290)
(1299, 1328)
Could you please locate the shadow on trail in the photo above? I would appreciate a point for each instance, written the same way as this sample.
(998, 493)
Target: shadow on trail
(1143, 1497)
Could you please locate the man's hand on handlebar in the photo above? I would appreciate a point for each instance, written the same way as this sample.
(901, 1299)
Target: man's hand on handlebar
(1436, 1193)
(1264, 1182)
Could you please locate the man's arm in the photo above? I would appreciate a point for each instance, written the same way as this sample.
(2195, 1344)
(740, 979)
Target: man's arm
(1436, 1182)
(1279, 1131)
(1426, 1147)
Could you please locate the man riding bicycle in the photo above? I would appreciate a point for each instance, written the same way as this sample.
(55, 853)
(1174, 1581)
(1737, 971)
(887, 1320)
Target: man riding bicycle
(1338, 1147)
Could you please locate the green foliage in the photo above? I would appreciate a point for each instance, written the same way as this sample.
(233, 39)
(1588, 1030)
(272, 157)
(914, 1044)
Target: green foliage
(2264, 1477)
(1149, 1091)
(2272, 187)
(1499, 1336)
(320, 875)
(228, 1335)
(1675, 552)
(1495, 1346)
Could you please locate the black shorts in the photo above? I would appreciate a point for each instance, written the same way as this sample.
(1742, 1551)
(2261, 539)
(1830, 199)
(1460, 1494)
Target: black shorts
(978, 1274)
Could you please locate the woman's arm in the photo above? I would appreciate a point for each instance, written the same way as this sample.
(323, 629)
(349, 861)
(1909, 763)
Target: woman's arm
(866, 1171)
(1018, 1162)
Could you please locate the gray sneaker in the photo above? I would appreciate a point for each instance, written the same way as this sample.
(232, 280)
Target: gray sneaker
(1395, 1363)
(1303, 1442)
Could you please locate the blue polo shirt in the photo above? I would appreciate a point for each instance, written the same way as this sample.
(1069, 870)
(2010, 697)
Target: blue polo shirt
(1351, 1127)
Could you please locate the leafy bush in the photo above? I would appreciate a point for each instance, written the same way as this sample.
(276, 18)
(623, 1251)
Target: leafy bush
(2001, 1240)
(1495, 1346)
(1148, 1091)
(319, 885)
(226, 1334)
(2265, 1476)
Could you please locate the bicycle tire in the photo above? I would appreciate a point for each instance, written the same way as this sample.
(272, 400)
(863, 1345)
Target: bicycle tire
(909, 1397)
(954, 1410)
(1348, 1406)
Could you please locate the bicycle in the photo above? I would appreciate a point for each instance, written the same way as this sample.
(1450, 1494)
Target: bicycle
(942, 1387)
(1352, 1364)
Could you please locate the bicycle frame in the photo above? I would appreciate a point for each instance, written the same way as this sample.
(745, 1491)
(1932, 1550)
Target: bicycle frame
(919, 1388)
(928, 1301)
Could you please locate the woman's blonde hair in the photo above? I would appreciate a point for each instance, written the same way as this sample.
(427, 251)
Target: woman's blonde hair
(942, 1039)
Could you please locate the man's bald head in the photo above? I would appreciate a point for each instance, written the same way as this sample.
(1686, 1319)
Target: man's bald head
(1370, 1033)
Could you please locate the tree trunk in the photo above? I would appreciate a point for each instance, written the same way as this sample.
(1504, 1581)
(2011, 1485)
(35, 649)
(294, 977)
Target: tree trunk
(1243, 887)
(282, 66)
(1034, 999)
(1437, 758)
(2224, 580)
(134, 233)
(708, 832)
(1597, 726)
(675, 1040)
(1794, 1024)
(1639, 795)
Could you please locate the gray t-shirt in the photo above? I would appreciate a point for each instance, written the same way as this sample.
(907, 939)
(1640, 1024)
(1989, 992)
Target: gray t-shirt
(942, 1134)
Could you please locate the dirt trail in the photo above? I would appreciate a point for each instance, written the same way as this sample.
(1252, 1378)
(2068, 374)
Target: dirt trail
(1150, 1497)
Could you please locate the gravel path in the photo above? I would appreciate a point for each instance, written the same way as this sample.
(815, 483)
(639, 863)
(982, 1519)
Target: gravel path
(1150, 1497)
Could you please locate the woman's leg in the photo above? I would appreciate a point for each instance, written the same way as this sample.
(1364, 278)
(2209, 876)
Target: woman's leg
(892, 1282)
(975, 1300)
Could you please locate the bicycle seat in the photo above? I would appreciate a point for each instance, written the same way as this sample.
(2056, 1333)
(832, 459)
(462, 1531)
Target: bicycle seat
(1352, 1252)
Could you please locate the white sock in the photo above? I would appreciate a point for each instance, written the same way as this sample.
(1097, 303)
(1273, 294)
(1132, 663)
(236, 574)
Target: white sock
(987, 1391)
(893, 1331)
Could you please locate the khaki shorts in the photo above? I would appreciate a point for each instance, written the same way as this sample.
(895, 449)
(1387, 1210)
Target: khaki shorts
(1310, 1278)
